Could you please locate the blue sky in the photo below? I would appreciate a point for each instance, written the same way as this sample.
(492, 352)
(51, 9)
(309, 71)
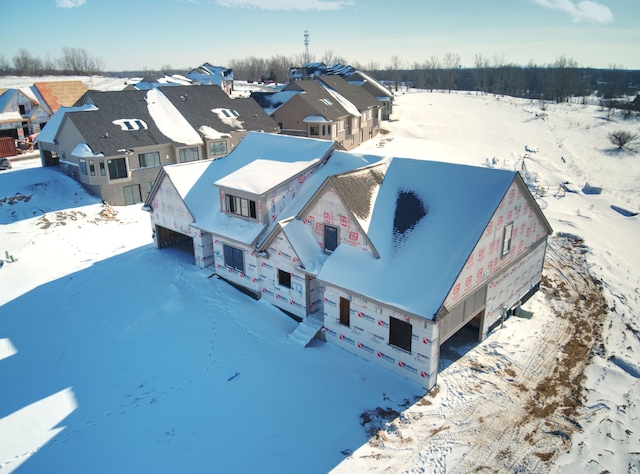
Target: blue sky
(134, 34)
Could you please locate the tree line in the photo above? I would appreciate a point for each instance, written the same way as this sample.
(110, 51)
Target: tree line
(558, 81)
(73, 61)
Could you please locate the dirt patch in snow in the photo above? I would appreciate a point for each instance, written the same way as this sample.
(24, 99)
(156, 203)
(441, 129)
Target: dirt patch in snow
(501, 407)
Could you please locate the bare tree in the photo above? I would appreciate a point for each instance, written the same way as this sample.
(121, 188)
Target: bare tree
(25, 64)
(564, 77)
(451, 63)
(330, 58)
(78, 61)
(5, 66)
(394, 67)
(481, 64)
(278, 67)
(420, 75)
(371, 67)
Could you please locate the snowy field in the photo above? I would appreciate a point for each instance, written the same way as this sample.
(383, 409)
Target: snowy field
(117, 357)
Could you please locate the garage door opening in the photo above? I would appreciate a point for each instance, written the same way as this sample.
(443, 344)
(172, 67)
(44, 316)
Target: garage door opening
(461, 342)
(167, 238)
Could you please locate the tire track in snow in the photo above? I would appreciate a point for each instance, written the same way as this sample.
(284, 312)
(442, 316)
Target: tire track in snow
(500, 411)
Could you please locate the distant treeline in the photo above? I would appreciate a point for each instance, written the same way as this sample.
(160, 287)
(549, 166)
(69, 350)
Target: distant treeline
(73, 61)
(559, 81)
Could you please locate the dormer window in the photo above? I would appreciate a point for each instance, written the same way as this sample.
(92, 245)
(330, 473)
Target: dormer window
(128, 125)
(240, 206)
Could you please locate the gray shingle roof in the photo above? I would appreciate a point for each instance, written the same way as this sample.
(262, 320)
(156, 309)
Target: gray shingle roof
(195, 103)
(319, 98)
(358, 96)
(359, 188)
(103, 135)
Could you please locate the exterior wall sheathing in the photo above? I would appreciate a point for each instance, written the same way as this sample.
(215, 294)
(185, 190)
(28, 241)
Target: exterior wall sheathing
(487, 260)
(282, 257)
(367, 336)
(330, 210)
(249, 278)
(507, 289)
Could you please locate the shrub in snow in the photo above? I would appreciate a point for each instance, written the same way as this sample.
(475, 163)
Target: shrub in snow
(623, 138)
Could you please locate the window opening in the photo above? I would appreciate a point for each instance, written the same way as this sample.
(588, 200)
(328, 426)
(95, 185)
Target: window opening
(400, 333)
(284, 278)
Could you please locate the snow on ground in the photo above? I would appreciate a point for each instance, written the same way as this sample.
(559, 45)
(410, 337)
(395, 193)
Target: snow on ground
(115, 356)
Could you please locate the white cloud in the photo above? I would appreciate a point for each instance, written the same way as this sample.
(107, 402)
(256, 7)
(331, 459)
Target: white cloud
(286, 4)
(585, 10)
(70, 3)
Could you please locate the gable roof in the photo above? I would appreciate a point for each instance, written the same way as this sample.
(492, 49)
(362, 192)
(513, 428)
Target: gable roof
(195, 180)
(319, 98)
(207, 74)
(359, 189)
(354, 94)
(339, 163)
(106, 130)
(202, 106)
(50, 131)
(58, 94)
(427, 218)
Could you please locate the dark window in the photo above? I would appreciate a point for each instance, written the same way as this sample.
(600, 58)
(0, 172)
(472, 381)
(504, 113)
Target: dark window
(117, 168)
(149, 159)
(345, 310)
(132, 194)
(188, 154)
(506, 239)
(284, 278)
(102, 170)
(92, 168)
(218, 148)
(400, 333)
(330, 238)
(234, 258)
(314, 130)
(241, 206)
(83, 166)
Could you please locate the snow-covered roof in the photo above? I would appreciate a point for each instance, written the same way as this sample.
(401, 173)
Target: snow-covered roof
(195, 181)
(261, 176)
(427, 219)
(82, 150)
(348, 105)
(309, 252)
(50, 130)
(169, 121)
(316, 119)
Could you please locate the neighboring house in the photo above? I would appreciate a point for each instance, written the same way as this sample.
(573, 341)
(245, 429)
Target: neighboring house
(115, 142)
(56, 94)
(153, 82)
(24, 112)
(352, 76)
(329, 110)
(208, 75)
(220, 120)
(394, 255)
(21, 113)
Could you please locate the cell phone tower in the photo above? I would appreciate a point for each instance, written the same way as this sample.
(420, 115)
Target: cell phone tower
(306, 46)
